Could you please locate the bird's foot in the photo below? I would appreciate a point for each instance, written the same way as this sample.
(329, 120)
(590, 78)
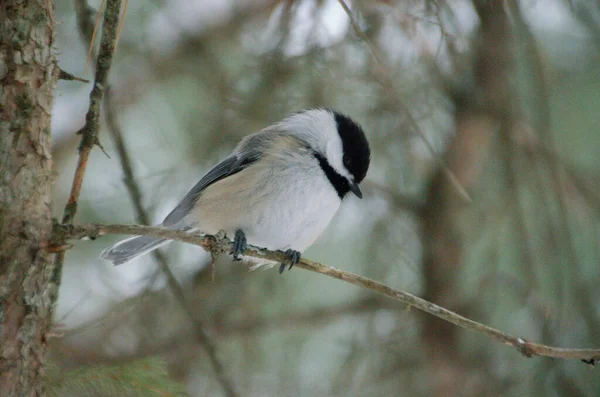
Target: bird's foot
(293, 258)
(239, 245)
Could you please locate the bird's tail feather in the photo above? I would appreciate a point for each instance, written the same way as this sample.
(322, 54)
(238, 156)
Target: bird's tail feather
(128, 249)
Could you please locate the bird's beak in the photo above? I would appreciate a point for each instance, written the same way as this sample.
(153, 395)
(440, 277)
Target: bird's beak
(355, 189)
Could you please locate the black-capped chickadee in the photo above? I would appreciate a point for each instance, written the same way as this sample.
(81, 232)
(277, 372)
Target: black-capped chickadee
(279, 189)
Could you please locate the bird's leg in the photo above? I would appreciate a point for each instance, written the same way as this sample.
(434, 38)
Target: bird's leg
(293, 257)
(239, 245)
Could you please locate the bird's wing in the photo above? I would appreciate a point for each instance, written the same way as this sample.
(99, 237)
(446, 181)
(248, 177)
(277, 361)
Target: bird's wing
(248, 152)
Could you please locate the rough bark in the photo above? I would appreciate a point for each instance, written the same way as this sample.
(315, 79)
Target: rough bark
(28, 74)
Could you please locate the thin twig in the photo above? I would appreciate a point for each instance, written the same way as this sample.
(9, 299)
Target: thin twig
(224, 245)
(122, 23)
(62, 75)
(93, 37)
(136, 197)
(384, 77)
(89, 132)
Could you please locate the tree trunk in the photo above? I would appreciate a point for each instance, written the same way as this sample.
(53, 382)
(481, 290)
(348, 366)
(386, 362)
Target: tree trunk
(28, 285)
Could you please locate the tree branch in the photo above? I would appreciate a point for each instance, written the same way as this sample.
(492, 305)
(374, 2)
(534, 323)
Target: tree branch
(89, 132)
(218, 245)
(62, 75)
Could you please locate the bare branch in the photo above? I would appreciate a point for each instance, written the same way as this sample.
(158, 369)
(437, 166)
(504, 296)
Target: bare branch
(89, 132)
(224, 245)
(62, 75)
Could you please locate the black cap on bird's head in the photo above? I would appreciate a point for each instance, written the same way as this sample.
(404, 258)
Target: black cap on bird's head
(357, 154)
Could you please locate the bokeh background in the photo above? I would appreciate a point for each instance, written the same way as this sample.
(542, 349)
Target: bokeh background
(502, 96)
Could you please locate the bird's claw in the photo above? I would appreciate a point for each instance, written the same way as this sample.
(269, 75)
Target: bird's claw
(293, 258)
(239, 245)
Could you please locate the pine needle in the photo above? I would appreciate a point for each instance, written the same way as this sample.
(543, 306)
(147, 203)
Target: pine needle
(121, 23)
(147, 377)
(89, 56)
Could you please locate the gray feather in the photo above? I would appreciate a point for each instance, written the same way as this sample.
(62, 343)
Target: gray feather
(247, 152)
(130, 248)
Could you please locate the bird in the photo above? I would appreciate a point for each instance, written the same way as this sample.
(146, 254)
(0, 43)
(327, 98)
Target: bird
(279, 188)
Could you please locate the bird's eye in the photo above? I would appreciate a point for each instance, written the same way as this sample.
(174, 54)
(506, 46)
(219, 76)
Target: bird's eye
(346, 160)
